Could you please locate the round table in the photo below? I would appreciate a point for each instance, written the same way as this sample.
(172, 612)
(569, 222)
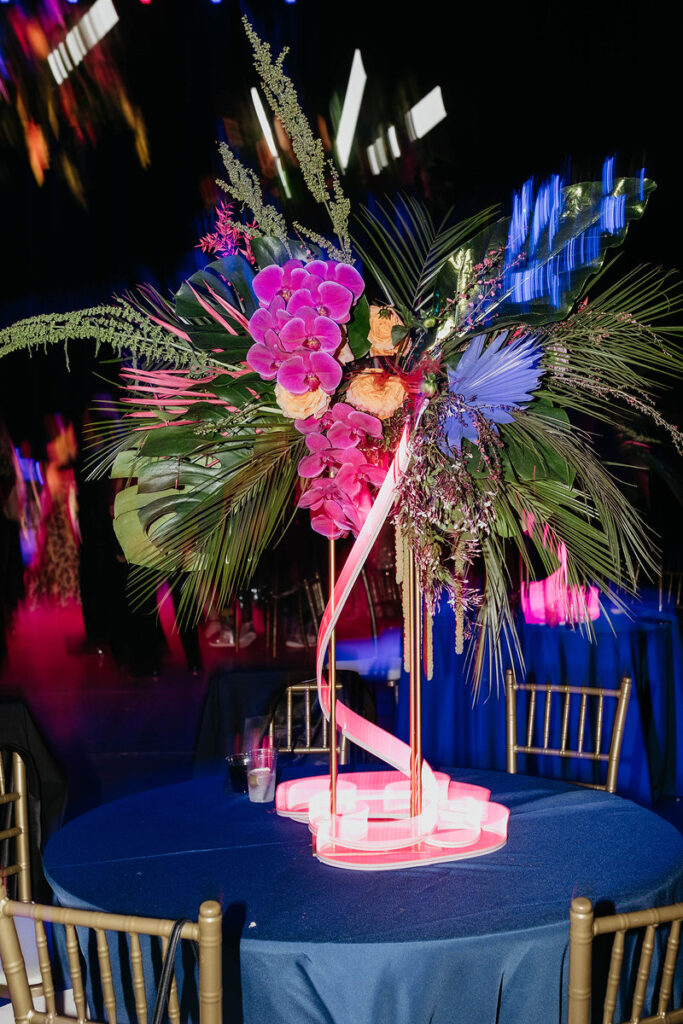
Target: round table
(478, 940)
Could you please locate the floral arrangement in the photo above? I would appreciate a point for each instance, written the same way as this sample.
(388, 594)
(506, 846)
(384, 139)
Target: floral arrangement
(271, 380)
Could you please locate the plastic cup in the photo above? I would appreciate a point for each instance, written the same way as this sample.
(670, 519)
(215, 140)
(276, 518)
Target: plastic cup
(236, 772)
(261, 769)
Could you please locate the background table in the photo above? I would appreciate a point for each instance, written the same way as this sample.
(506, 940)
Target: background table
(478, 940)
(645, 644)
(233, 697)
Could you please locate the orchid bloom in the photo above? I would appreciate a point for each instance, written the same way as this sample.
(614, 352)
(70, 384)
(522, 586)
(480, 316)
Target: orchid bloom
(301, 373)
(350, 427)
(270, 319)
(357, 471)
(311, 332)
(341, 273)
(313, 425)
(335, 512)
(323, 455)
(266, 357)
(279, 281)
(327, 299)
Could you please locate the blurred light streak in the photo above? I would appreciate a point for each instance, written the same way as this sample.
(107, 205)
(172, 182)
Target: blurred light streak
(372, 157)
(350, 109)
(263, 121)
(393, 142)
(92, 27)
(270, 139)
(426, 114)
(381, 151)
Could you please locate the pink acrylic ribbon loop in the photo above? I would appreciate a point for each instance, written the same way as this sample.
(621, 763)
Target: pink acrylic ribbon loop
(363, 733)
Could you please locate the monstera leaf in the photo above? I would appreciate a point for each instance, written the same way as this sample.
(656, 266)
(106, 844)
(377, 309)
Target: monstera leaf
(206, 506)
(530, 268)
(268, 249)
(229, 277)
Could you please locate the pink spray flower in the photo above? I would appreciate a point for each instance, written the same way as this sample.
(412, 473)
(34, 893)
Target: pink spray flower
(301, 373)
(350, 427)
(341, 273)
(281, 281)
(310, 331)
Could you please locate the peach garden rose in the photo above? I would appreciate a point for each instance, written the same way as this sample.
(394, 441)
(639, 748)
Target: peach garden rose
(299, 407)
(377, 392)
(382, 320)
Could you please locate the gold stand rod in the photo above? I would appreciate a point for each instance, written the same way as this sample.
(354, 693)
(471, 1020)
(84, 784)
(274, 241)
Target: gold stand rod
(415, 663)
(332, 682)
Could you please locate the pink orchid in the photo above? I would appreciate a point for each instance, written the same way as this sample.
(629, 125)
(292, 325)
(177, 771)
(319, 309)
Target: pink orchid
(350, 427)
(327, 299)
(266, 357)
(271, 319)
(281, 281)
(323, 455)
(341, 273)
(309, 331)
(301, 373)
(356, 472)
(311, 425)
(336, 511)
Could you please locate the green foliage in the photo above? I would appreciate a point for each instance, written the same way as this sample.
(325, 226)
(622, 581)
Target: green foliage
(244, 186)
(120, 328)
(283, 100)
(405, 251)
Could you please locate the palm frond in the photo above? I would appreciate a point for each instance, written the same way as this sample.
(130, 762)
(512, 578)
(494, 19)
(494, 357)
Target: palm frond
(404, 250)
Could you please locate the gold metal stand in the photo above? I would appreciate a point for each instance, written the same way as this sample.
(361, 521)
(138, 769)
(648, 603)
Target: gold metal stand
(332, 683)
(414, 638)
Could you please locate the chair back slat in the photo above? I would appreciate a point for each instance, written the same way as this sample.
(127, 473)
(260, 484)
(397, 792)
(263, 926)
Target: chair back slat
(598, 724)
(643, 973)
(173, 1009)
(106, 976)
(307, 713)
(305, 696)
(137, 970)
(546, 716)
(562, 736)
(653, 981)
(565, 721)
(45, 967)
(74, 955)
(207, 931)
(669, 967)
(14, 793)
(613, 976)
(532, 716)
(582, 721)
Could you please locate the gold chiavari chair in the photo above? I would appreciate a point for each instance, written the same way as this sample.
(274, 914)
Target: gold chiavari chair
(297, 724)
(105, 930)
(538, 728)
(650, 923)
(15, 859)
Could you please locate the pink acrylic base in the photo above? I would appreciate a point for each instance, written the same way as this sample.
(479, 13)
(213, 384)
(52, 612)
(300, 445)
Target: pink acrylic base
(373, 829)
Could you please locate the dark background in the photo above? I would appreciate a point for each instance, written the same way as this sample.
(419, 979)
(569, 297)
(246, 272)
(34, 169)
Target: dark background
(530, 88)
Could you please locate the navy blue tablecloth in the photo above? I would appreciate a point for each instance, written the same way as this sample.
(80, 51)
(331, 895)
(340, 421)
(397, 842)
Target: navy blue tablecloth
(478, 940)
(643, 642)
